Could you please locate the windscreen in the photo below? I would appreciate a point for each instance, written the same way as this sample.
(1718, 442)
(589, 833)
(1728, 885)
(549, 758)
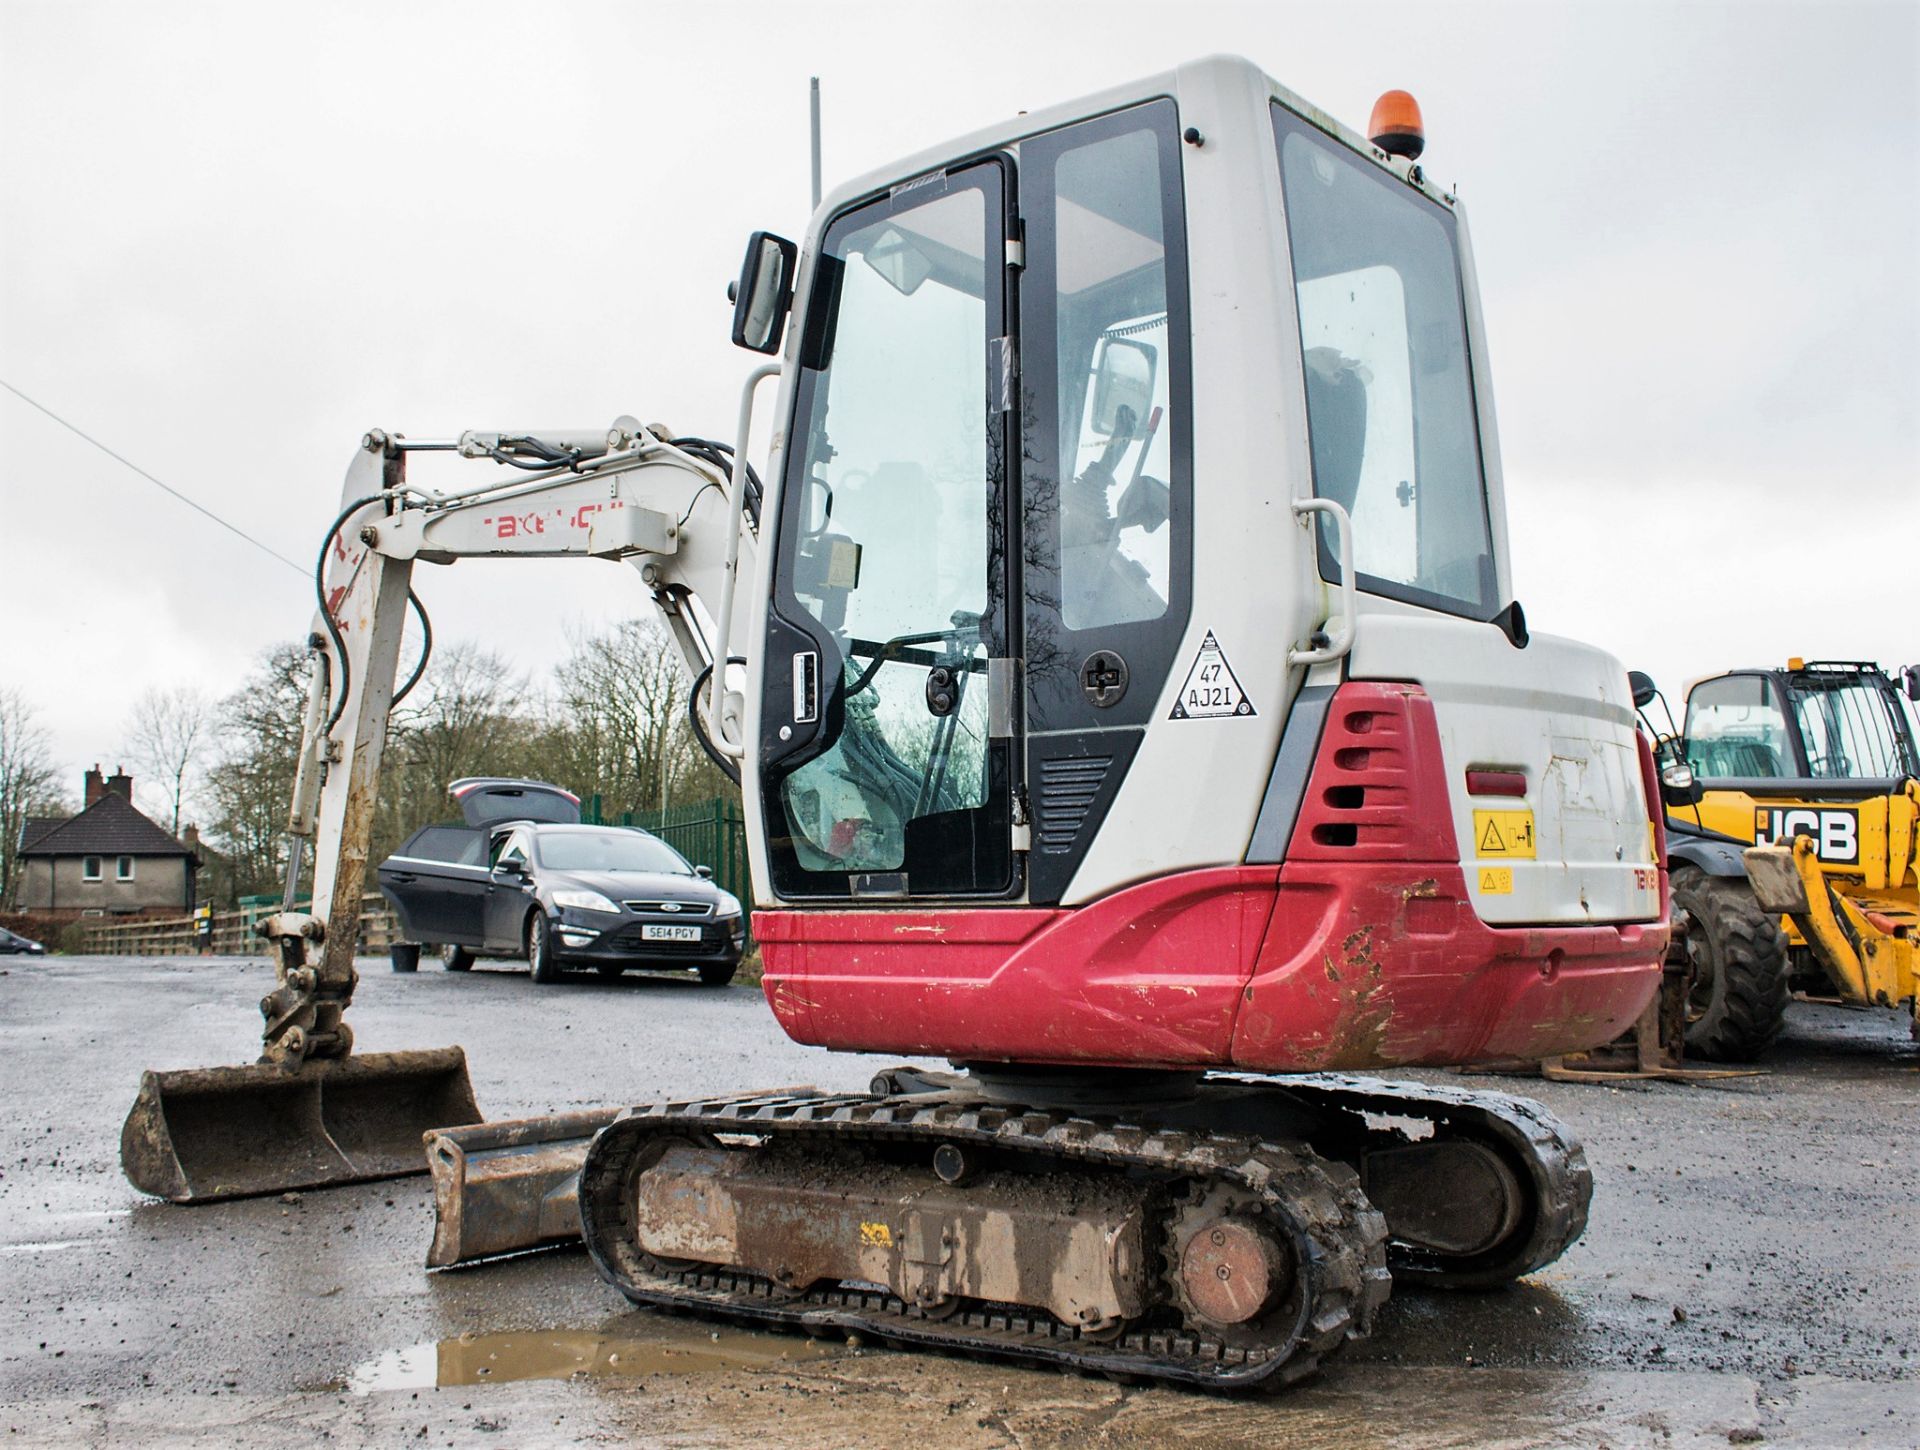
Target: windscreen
(609, 850)
(1390, 403)
(1851, 728)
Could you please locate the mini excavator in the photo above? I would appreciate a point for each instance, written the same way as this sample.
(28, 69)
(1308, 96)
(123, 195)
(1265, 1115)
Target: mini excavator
(1121, 670)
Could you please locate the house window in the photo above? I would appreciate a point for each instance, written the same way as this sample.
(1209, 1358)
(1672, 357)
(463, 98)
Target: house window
(89, 868)
(123, 869)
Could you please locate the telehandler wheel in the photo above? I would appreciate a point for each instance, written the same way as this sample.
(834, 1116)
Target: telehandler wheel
(540, 954)
(456, 959)
(1739, 999)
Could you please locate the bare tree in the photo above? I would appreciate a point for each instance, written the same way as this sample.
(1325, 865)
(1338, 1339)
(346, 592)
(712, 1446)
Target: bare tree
(27, 778)
(250, 788)
(469, 716)
(620, 722)
(168, 738)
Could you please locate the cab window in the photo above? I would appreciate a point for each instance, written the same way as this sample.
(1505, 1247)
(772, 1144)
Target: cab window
(1392, 423)
(1736, 731)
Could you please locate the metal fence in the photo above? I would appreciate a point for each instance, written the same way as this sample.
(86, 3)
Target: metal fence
(232, 934)
(708, 833)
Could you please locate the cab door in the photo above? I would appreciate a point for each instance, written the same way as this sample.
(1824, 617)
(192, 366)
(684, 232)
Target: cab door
(1106, 450)
(887, 718)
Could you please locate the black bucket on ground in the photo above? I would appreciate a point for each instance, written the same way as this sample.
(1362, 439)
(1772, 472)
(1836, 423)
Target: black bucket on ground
(201, 1134)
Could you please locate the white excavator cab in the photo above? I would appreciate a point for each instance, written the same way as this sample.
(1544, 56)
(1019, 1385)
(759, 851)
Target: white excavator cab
(1134, 455)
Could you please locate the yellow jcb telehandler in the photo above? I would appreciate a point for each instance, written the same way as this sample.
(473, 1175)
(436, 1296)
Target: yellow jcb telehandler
(1816, 765)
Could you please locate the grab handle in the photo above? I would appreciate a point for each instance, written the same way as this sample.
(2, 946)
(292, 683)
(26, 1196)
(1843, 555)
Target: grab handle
(1329, 643)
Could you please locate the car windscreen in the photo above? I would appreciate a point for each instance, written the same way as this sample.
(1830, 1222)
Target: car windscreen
(607, 851)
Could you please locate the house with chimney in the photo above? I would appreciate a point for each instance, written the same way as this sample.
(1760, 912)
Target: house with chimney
(107, 861)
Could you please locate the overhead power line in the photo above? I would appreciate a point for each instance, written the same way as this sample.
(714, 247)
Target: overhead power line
(197, 507)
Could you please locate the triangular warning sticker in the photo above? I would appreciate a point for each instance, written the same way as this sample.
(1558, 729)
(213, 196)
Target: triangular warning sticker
(1490, 840)
(1211, 690)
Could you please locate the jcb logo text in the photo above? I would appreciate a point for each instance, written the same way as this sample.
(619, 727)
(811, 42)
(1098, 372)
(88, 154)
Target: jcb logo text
(1835, 834)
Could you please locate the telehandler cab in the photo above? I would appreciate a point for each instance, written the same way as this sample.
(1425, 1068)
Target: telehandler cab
(1129, 702)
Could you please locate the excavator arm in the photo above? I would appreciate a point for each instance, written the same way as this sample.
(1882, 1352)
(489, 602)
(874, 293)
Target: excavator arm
(681, 511)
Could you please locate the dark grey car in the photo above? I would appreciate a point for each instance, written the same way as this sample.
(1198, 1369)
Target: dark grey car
(520, 879)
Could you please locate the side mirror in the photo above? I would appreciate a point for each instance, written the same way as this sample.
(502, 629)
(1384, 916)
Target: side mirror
(1122, 379)
(764, 294)
(705, 873)
(511, 866)
(1643, 687)
(1911, 677)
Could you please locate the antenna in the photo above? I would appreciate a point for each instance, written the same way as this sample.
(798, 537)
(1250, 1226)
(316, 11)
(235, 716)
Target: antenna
(814, 99)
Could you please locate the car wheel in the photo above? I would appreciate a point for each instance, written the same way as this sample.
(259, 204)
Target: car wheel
(718, 974)
(456, 959)
(540, 956)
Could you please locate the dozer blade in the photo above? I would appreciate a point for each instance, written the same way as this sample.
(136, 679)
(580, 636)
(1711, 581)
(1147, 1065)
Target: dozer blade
(499, 1188)
(506, 1186)
(202, 1134)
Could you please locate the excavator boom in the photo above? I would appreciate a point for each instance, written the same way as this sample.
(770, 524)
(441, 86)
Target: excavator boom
(309, 1113)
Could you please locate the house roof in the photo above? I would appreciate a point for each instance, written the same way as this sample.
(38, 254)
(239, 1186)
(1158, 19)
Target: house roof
(34, 827)
(108, 827)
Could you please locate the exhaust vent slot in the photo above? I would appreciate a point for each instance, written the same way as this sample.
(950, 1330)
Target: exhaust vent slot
(1068, 790)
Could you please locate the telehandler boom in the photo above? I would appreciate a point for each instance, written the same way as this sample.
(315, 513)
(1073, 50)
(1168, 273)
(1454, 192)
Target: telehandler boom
(1133, 711)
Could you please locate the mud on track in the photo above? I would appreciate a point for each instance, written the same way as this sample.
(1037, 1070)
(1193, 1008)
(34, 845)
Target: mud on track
(1751, 1269)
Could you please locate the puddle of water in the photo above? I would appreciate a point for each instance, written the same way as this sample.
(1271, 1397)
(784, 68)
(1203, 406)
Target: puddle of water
(558, 1354)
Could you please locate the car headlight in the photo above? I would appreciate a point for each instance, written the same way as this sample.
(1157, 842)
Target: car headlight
(584, 901)
(729, 906)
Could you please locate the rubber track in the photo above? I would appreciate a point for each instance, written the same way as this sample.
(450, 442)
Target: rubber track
(1339, 1236)
(1555, 1163)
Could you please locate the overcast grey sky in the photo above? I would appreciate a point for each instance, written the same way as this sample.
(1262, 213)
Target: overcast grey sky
(232, 237)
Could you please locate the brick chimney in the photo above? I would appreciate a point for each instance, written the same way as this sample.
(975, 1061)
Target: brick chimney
(96, 786)
(121, 784)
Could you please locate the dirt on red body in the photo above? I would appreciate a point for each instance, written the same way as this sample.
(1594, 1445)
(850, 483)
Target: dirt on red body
(1362, 951)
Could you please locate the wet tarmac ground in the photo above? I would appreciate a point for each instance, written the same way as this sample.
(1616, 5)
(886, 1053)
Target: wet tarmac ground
(1751, 1273)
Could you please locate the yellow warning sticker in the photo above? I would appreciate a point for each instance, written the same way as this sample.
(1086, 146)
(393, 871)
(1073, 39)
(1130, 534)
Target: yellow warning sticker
(877, 1235)
(1503, 833)
(1496, 881)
